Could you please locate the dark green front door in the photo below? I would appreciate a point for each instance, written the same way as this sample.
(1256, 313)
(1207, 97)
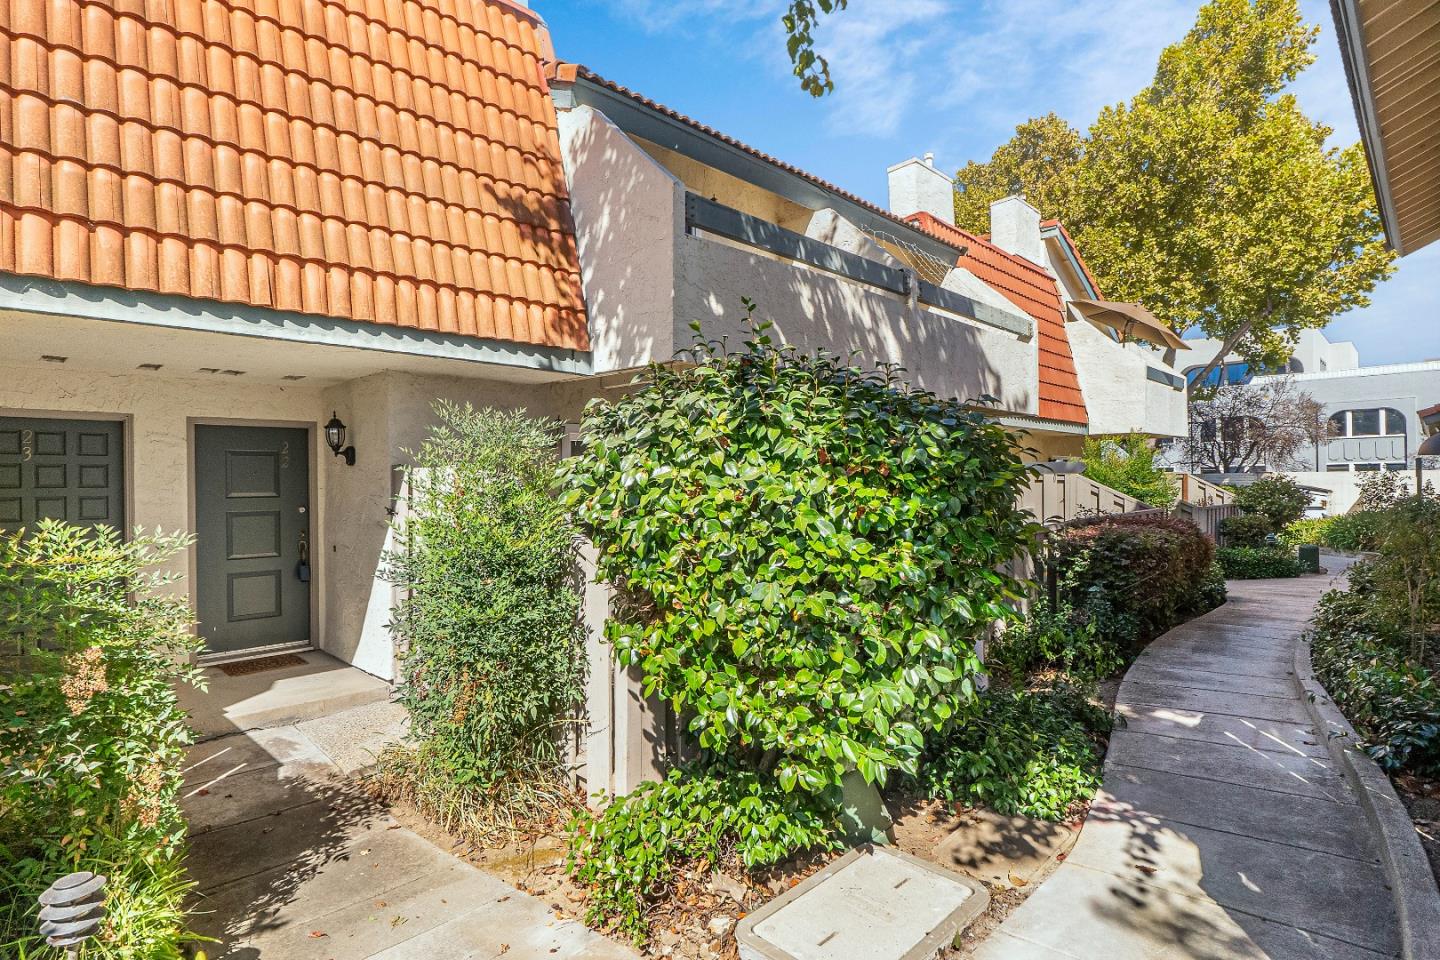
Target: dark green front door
(69, 470)
(252, 528)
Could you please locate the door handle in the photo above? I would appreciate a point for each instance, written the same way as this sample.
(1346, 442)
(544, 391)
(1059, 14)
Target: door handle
(302, 566)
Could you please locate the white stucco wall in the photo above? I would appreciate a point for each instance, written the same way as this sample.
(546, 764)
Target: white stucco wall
(646, 280)
(629, 213)
(949, 355)
(1118, 395)
(158, 411)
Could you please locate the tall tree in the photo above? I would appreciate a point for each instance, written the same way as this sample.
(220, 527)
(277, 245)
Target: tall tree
(1212, 198)
(1039, 161)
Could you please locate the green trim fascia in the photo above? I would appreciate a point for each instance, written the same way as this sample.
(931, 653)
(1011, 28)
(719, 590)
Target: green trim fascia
(43, 295)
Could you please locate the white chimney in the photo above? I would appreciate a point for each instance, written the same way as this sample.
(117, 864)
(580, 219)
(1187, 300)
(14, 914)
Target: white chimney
(916, 186)
(1015, 228)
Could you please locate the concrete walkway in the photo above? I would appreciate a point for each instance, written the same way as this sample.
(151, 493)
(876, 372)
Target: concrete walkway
(294, 863)
(1223, 829)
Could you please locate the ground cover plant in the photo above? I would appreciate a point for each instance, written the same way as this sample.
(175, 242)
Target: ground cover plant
(491, 651)
(808, 553)
(1034, 751)
(91, 736)
(1257, 563)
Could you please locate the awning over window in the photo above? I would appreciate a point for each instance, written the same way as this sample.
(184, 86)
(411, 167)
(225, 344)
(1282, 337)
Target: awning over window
(1131, 321)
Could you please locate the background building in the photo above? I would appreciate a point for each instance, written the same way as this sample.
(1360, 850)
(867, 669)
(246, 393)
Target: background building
(1374, 414)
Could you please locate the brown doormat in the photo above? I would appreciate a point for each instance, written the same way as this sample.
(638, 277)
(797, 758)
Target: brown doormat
(240, 668)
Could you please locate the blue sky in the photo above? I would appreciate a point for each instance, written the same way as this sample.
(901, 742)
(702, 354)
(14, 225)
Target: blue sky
(949, 76)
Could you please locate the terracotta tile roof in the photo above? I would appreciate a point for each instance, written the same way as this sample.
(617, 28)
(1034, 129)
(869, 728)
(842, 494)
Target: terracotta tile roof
(393, 161)
(563, 72)
(1084, 267)
(1031, 288)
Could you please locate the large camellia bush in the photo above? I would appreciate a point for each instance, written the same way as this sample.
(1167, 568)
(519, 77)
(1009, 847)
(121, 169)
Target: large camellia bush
(808, 552)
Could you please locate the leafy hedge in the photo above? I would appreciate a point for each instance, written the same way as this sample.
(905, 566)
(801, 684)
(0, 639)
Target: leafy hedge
(1245, 530)
(1355, 531)
(1127, 463)
(811, 551)
(807, 555)
(1035, 753)
(1309, 530)
(92, 737)
(491, 649)
(1394, 702)
(1139, 574)
(1257, 563)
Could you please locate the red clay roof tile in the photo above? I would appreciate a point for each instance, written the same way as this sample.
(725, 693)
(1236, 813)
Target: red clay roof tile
(392, 161)
(1033, 290)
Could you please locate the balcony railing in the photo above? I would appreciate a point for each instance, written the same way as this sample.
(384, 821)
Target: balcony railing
(709, 216)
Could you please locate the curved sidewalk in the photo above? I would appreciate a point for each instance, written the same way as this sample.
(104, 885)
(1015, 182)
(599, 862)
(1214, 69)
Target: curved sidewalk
(1223, 829)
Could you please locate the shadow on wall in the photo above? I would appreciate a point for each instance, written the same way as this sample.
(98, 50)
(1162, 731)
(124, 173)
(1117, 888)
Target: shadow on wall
(812, 310)
(628, 216)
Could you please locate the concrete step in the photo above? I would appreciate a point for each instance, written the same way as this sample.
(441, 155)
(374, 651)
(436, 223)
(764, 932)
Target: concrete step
(319, 687)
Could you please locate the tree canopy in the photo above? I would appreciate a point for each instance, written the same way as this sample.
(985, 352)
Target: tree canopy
(1209, 196)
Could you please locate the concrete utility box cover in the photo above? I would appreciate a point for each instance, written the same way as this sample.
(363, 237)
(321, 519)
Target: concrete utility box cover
(873, 903)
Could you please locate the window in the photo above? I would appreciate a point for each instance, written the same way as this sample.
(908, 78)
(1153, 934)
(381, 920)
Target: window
(1374, 422)
(1368, 467)
(1338, 468)
(1233, 374)
(1364, 423)
(1395, 466)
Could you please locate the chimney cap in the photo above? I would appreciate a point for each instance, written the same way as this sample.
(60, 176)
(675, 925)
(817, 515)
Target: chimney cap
(930, 158)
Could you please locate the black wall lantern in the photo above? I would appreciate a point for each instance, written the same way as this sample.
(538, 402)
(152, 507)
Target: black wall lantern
(335, 437)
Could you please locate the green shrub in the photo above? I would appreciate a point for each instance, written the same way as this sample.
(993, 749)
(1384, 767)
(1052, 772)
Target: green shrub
(1407, 572)
(1127, 464)
(92, 738)
(1245, 530)
(810, 552)
(1394, 703)
(1033, 753)
(1359, 530)
(1210, 592)
(1257, 563)
(491, 647)
(1066, 639)
(1276, 497)
(1309, 530)
(627, 856)
(1138, 574)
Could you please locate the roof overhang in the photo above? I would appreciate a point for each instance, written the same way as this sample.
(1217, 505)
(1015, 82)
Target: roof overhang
(1391, 51)
(641, 120)
(1055, 233)
(1131, 321)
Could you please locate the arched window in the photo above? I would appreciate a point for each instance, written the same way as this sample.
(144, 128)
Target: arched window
(1370, 422)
